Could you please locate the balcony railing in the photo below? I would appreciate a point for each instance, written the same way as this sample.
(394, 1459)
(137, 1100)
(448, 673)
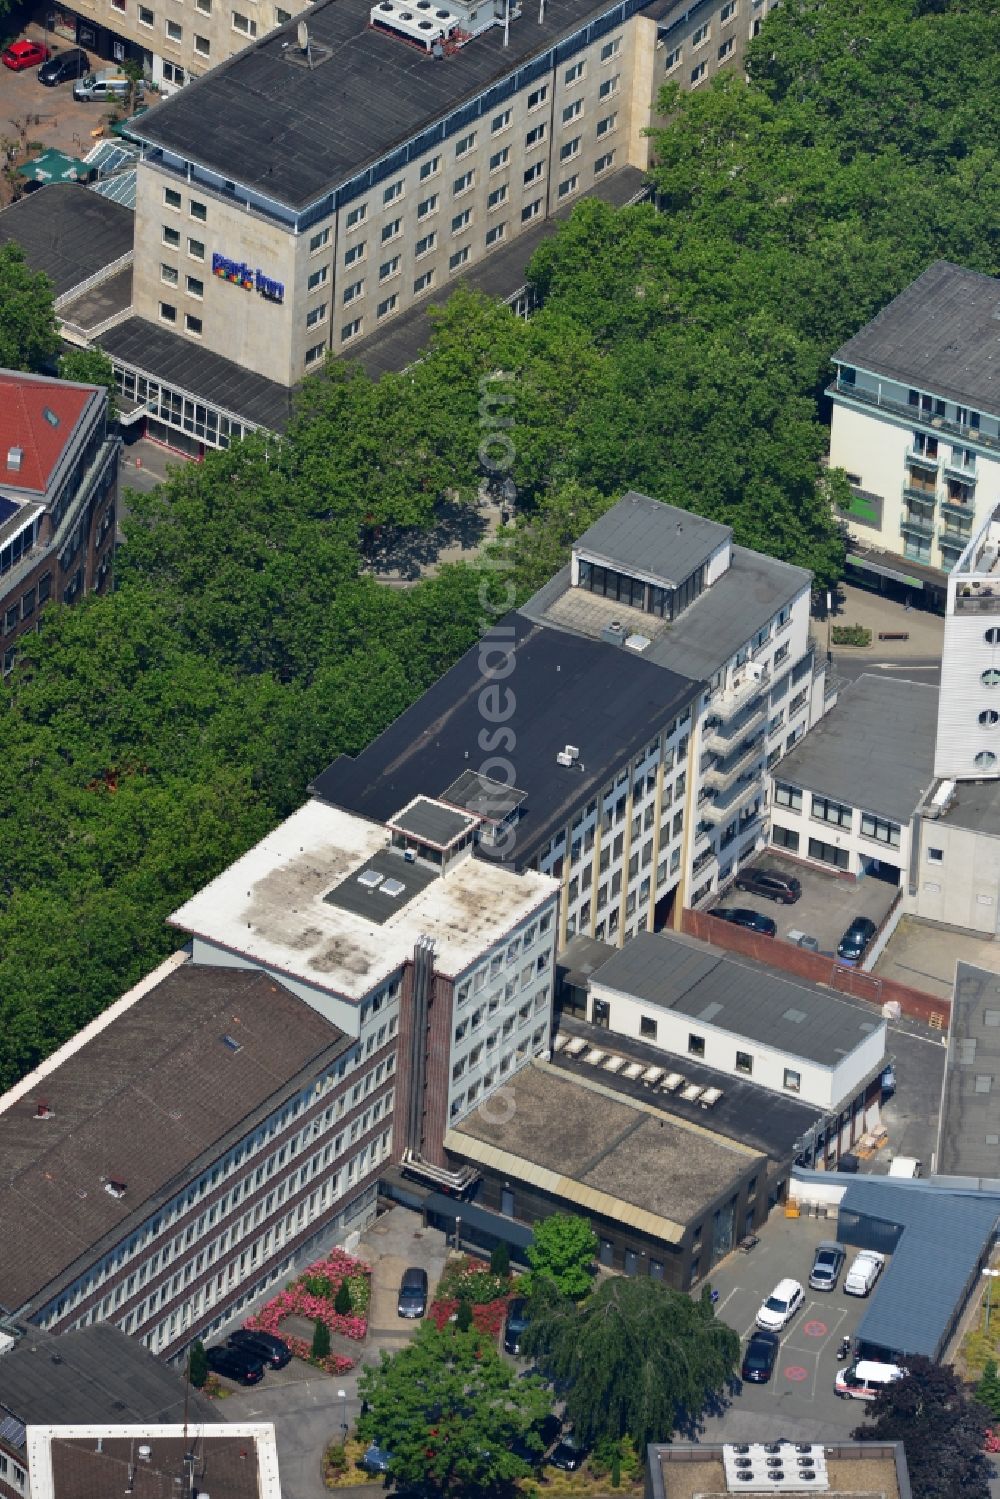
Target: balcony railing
(923, 460)
(751, 684)
(978, 603)
(920, 494)
(723, 809)
(914, 414)
(721, 738)
(955, 536)
(959, 509)
(724, 772)
(959, 471)
(920, 525)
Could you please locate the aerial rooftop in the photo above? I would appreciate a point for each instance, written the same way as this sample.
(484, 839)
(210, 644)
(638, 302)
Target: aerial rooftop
(95, 1140)
(941, 335)
(68, 232)
(292, 131)
(563, 690)
(317, 899)
(642, 535)
(874, 749)
(735, 994)
(38, 417)
(229, 1460)
(615, 1155)
(853, 1470)
(969, 1134)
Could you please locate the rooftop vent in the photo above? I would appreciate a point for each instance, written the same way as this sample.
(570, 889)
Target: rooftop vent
(392, 888)
(370, 878)
(691, 1092)
(115, 1188)
(50, 416)
(145, 1452)
(710, 1097)
(43, 1111)
(231, 1042)
(15, 457)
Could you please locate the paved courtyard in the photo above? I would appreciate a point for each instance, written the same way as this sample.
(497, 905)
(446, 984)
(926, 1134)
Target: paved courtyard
(923, 955)
(50, 116)
(826, 907)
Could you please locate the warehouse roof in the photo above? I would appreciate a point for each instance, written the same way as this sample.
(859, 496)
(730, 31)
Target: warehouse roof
(563, 690)
(292, 131)
(874, 749)
(92, 1374)
(942, 1238)
(640, 534)
(733, 993)
(969, 1137)
(941, 335)
(617, 1156)
(109, 1130)
(68, 232)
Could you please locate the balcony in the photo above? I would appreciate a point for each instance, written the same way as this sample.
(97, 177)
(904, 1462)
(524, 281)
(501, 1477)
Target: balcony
(914, 414)
(960, 472)
(724, 772)
(720, 739)
(723, 809)
(748, 683)
(920, 494)
(955, 536)
(959, 510)
(986, 601)
(923, 461)
(916, 524)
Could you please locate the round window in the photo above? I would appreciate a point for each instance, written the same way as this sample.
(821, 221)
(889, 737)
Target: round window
(992, 635)
(985, 760)
(989, 718)
(991, 677)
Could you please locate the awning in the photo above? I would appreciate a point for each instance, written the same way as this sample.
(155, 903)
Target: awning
(868, 565)
(480, 1220)
(56, 166)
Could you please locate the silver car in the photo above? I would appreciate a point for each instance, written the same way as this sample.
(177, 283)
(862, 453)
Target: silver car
(827, 1265)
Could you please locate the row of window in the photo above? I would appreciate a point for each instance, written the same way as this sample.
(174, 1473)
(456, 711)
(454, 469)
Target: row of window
(476, 1053)
(482, 1087)
(744, 1062)
(825, 809)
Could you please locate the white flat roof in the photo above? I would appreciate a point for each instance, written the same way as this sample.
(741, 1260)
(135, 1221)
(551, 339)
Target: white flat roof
(269, 906)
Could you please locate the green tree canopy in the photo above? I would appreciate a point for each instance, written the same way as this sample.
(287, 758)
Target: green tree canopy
(562, 1254)
(448, 1410)
(940, 1428)
(28, 337)
(197, 1364)
(638, 1358)
(90, 367)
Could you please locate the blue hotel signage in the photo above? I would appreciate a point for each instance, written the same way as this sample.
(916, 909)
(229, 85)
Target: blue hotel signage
(240, 274)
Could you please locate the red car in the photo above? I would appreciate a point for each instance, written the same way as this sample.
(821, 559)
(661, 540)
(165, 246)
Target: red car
(24, 54)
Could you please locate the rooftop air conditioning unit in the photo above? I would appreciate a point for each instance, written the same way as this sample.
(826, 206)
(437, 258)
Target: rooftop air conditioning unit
(563, 759)
(572, 751)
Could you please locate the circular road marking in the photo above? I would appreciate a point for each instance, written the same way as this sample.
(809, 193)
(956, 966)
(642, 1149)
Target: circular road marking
(796, 1373)
(815, 1329)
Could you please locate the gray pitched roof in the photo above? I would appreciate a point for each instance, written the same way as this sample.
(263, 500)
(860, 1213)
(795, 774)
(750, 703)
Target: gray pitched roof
(68, 232)
(874, 749)
(763, 1004)
(941, 335)
(942, 1238)
(969, 1138)
(640, 534)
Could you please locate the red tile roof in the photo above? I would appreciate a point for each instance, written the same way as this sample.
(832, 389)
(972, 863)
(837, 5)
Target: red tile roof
(24, 399)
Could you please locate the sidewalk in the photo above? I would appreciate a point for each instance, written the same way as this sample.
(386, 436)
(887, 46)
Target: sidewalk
(855, 606)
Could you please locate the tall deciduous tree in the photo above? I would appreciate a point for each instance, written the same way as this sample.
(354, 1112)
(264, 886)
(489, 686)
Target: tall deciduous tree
(562, 1252)
(449, 1410)
(940, 1428)
(637, 1357)
(91, 367)
(28, 336)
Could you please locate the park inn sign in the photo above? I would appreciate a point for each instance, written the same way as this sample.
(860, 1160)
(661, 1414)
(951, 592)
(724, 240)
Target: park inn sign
(240, 274)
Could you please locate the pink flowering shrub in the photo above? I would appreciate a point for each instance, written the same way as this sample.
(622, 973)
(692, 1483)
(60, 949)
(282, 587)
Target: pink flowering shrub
(487, 1318)
(300, 1300)
(992, 1441)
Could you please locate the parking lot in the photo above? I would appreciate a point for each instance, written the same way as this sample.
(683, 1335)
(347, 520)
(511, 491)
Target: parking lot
(826, 907)
(799, 1399)
(50, 116)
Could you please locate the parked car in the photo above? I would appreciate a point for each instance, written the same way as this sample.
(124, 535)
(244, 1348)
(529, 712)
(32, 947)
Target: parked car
(412, 1293)
(780, 1307)
(567, 1455)
(864, 1272)
(515, 1325)
(759, 1359)
(23, 54)
(856, 940)
(828, 1262)
(743, 916)
(865, 1379)
(375, 1459)
(62, 66)
(106, 86)
(272, 1351)
(783, 888)
(887, 1082)
(235, 1363)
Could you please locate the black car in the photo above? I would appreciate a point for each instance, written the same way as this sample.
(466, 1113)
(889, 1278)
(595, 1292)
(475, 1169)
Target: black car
(272, 1351)
(856, 940)
(743, 916)
(71, 64)
(784, 888)
(412, 1300)
(567, 1455)
(235, 1363)
(515, 1325)
(759, 1359)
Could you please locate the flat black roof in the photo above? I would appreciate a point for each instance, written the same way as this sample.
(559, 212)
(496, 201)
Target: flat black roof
(969, 1137)
(563, 689)
(176, 361)
(68, 232)
(293, 133)
(482, 795)
(430, 822)
(377, 889)
(941, 335)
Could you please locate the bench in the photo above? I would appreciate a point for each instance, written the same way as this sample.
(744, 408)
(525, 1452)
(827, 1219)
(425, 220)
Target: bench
(893, 634)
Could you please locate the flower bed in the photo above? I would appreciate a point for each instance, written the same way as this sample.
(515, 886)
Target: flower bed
(472, 1280)
(312, 1296)
(488, 1318)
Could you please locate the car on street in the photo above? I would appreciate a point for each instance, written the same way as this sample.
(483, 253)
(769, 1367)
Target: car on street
(62, 66)
(864, 1272)
(272, 1351)
(856, 940)
(235, 1363)
(828, 1262)
(567, 1454)
(780, 1307)
(516, 1325)
(412, 1293)
(23, 54)
(375, 1459)
(783, 888)
(743, 916)
(759, 1359)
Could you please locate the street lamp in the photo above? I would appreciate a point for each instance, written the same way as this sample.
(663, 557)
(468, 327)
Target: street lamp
(991, 1275)
(342, 1397)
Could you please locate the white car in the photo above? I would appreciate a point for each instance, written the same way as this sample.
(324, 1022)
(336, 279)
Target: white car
(781, 1306)
(864, 1272)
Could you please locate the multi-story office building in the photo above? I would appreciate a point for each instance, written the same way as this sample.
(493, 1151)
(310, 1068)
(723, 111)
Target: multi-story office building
(916, 426)
(637, 785)
(172, 1160)
(58, 497)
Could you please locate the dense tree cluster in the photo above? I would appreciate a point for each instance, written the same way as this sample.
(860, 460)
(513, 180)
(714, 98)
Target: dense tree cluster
(941, 1429)
(682, 349)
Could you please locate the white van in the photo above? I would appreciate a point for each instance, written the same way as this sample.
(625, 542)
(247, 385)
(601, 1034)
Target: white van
(108, 85)
(863, 1380)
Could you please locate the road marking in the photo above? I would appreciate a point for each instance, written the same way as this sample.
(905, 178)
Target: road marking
(796, 1373)
(815, 1329)
(723, 1304)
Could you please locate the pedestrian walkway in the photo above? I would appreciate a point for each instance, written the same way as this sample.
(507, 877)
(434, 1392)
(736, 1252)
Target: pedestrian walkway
(856, 606)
